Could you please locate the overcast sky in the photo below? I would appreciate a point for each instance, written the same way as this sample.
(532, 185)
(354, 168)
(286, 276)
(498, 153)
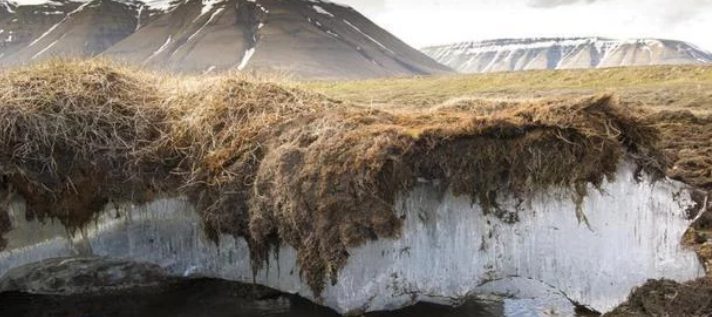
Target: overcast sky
(429, 22)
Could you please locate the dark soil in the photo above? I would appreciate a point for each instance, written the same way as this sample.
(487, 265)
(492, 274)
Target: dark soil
(5, 224)
(686, 140)
(207, 298)
(665, 298)
(186, 299)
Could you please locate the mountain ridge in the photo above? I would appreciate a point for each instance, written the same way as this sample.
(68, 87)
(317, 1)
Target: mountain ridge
(305, 38)
(512, 54)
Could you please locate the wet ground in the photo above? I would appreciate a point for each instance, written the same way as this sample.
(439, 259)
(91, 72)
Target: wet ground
(207, 298)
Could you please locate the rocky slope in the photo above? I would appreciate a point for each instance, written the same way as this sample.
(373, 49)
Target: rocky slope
(564, 53)
(64, 28)
(305, 38)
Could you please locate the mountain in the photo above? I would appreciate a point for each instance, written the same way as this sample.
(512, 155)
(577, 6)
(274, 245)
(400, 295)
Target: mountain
(63, 28)
(305, 38)
(564, 53)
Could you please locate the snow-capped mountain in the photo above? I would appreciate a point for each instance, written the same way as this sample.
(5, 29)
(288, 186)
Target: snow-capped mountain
(306, 38)
(564, 53)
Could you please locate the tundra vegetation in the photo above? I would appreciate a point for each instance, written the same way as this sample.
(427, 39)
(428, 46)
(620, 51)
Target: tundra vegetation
(319, 165)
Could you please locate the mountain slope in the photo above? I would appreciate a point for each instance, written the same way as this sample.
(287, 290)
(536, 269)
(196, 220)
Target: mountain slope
(564, 53)
(68, 29)
(306, 38)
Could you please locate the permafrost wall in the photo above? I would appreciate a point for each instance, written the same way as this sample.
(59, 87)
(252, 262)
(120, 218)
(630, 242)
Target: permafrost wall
(448, 249)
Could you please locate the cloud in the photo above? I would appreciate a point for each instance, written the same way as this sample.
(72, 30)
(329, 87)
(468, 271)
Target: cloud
(370, 8)
(683, 10)
(556, 3)
(371, 3)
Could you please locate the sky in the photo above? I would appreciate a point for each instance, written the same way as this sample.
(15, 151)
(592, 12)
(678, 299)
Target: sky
(431, 22)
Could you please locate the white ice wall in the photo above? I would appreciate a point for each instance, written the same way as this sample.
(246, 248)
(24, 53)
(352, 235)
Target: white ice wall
(448, 248)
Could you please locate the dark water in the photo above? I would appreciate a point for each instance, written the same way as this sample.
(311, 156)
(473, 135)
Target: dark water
(205, 298)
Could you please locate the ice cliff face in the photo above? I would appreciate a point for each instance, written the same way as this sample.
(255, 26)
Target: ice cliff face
(448, 249)
(564, 53)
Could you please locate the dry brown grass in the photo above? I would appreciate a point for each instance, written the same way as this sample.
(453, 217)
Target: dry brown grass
(278, 165)
(687, 142)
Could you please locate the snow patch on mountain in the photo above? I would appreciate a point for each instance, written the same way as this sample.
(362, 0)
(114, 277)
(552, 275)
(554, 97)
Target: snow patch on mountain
(161, 5)
(45, 49)
(208, 6)
(246, 58)
(218, 11)
(327, 2)
(321, 10)
(162, 48)
(51, 29)
(368, 37)
(8, 7)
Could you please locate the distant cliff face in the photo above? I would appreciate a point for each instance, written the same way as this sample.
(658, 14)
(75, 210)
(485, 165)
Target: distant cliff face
(564, 53)
(306, 38)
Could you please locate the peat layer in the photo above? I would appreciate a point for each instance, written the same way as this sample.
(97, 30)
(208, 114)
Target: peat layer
(277, 165)
(668, 298)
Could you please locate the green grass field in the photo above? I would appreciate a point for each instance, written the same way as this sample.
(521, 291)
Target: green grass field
(687, 87)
